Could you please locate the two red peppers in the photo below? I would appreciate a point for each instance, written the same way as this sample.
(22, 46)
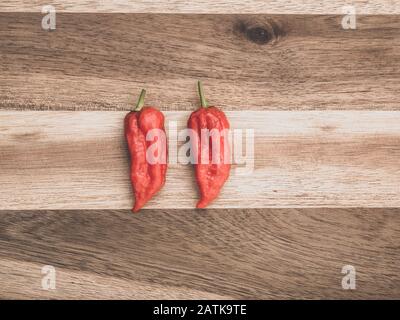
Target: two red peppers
(148, 177)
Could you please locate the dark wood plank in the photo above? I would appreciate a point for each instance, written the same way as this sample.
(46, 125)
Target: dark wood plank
(217, 253)
(260, 62)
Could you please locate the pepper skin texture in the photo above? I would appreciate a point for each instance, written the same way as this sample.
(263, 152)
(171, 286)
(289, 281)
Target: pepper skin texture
(210, 175)
(146, 178)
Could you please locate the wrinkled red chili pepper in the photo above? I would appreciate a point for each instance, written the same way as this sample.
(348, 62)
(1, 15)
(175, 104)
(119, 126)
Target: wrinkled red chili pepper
(147, 178)
(210, 174)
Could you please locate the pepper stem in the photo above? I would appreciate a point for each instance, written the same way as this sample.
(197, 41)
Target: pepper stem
(140, 102)
(201, 94)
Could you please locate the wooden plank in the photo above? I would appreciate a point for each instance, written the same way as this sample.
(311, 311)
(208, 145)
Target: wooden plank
(256, 254)
(24, 282)
(259, 62)
(78, 160)
(206, 6)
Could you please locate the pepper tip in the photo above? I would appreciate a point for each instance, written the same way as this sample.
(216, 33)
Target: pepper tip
(201, 204)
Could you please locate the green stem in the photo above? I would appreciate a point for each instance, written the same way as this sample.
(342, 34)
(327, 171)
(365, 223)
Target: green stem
(201, 94)
(140, 102)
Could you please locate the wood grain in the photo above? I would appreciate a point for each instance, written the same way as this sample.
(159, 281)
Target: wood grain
(258, 62)
(274, 55)
(78, 160)
(206, 6)
(258, 254)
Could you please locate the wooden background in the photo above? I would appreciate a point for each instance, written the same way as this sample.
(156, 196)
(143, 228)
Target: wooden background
(327, 179)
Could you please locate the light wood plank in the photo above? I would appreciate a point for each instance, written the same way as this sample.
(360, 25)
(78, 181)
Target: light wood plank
(248, 254)
(258, 62)
(25, 282)
(206, 6)
(78, 160)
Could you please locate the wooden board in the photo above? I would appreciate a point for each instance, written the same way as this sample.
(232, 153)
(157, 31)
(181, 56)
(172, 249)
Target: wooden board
(206, 6)
(258, 62)
(337, 145)
(78, 160)
(248, 254)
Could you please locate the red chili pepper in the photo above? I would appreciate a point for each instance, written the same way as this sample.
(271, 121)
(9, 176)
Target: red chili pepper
(147, 177)
(212, 170)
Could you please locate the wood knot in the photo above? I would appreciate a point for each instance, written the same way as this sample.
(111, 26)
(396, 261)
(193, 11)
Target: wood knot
(258, 35)
(259, 31)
